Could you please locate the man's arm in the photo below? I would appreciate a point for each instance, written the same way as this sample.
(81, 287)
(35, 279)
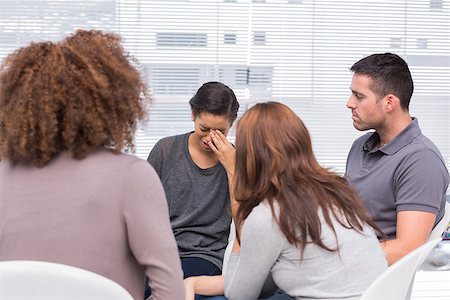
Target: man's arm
(413, 230)
(421, 180)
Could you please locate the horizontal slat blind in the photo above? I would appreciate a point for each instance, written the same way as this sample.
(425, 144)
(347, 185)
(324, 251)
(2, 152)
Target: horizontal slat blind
(297, 52)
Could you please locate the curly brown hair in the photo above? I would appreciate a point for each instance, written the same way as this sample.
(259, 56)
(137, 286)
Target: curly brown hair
(76, 95)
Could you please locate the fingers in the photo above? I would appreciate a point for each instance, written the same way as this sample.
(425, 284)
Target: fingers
(221, 135)
(215, 137)
(215, 144)
(223, 150)
(218, 138)
(213, 147)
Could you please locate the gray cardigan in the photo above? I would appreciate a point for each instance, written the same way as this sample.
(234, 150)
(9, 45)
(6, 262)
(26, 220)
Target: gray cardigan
(266, 254)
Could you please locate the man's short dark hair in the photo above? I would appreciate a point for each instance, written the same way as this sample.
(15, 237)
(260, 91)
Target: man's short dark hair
(389, 74)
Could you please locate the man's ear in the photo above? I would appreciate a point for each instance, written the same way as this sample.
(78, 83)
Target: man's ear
(392, 102)
(192, 116)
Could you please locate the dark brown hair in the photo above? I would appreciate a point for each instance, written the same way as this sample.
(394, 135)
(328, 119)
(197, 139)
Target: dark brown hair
(275, 162)
(389, 74)
(217, 99)
(77, 95)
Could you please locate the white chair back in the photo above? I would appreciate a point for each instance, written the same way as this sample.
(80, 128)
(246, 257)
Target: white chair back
(396, 282)
(442, 225)
(33, 280)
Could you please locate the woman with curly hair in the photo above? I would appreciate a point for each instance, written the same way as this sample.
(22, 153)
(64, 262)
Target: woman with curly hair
(67, 192)
(300, 226)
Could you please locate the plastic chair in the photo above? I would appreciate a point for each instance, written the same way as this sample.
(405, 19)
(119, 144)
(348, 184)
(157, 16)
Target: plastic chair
(396, 282)
(440, 227)
(32, 280)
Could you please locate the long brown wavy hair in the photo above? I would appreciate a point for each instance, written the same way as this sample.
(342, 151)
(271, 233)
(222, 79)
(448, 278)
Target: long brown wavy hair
(275, 162)
(76, 95)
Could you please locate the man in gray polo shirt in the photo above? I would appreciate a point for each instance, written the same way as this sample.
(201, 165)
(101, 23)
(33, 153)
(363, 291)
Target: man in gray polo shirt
(397, 171)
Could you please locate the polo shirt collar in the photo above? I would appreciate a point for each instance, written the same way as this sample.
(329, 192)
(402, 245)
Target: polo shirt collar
(401, 140)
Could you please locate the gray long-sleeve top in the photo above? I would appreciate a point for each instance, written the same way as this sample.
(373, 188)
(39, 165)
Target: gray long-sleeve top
(106, 213)
(265, 253)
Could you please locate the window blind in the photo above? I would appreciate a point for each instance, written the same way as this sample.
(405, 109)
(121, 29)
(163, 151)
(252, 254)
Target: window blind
(296, 52)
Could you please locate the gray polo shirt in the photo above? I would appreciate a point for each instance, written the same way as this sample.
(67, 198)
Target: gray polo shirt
(407, 174)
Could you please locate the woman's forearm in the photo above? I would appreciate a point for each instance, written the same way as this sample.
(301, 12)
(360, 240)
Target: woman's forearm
(206, 285)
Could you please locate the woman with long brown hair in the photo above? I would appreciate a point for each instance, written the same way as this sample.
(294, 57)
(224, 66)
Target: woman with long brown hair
(301, 228)
(68, 193)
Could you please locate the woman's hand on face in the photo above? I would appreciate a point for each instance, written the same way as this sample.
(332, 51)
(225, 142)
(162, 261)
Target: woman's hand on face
(223, 149)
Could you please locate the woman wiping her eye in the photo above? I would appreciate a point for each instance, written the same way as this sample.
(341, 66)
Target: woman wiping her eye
(195, 172)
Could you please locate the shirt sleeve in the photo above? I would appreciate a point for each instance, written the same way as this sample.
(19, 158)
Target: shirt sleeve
(155, 158)
(149, 233)
(422, 180)
(261, 245)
